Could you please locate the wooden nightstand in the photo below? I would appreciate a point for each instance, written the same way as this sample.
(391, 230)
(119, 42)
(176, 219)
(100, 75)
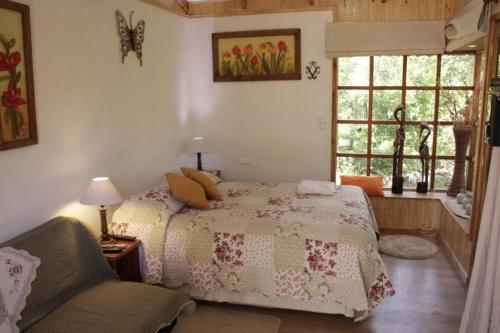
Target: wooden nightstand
(126, 263)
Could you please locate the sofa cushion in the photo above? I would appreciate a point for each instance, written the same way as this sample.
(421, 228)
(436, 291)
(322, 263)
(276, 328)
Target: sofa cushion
(71, 262)
(116, 306)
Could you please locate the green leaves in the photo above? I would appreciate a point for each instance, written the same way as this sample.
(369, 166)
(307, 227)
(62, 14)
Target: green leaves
(7, 44)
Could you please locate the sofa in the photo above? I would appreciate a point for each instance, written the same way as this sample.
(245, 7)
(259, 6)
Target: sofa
(75, 289)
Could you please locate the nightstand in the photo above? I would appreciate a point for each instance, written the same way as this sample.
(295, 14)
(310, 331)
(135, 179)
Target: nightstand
(126, 263)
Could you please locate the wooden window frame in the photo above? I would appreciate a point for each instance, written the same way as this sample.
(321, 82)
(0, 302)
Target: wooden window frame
(435, 123)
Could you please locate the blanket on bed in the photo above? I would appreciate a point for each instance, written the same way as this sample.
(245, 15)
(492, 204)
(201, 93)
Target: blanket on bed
(266, 242)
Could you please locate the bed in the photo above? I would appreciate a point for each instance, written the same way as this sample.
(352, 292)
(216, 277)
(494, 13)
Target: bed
(263, 245)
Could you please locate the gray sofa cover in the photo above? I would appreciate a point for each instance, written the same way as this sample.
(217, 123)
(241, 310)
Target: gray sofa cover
(76, 291)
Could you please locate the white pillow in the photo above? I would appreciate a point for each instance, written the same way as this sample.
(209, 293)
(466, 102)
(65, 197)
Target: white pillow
(17, 272)
(213, 177)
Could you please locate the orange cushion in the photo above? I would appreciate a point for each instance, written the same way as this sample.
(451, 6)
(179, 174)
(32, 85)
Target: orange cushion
(373, 185)
(208, 185)
(187, 191)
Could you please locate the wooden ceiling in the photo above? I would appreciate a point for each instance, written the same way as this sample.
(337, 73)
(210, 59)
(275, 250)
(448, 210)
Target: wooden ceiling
(343, 10)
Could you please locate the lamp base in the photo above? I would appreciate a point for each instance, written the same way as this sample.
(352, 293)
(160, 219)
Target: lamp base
(200, 167)
(105, 239)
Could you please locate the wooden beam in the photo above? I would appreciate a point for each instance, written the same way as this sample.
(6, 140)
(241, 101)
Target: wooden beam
(345, 10)
(184, 4)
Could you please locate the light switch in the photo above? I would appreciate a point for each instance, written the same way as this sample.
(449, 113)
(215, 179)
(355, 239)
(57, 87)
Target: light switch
(321, 123)
(245, 161)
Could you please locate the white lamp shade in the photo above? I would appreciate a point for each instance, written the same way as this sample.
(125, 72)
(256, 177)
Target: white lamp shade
(197, 145)
(101, 192)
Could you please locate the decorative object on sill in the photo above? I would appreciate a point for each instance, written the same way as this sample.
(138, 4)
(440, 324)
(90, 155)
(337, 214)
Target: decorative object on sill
(197, 145)
(17, 94)
(256, 55)
(130, 39)
(406, 247)
(312, 70)
(397, 156)
(463, 125)
(101, 192)
(423, 151)
(461, 205)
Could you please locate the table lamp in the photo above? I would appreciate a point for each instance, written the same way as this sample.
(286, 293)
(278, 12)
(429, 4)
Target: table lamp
(101, 192)
(198, 145)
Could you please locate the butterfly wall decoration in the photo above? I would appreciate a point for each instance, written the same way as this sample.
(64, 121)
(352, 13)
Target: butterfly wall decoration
(130, 39)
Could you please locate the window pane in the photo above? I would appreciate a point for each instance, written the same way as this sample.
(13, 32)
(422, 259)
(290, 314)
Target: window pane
(444, 172)
(347, 166)
(388, 71)
(382, 167)
(352, 138)
(353, 104)
(457, 70)
(411, 173)
(384, 103)
(354, 71)
(421, 71)
(412, 141)
(420, 105)
(452, 101)
(383, 139)
(445, 141)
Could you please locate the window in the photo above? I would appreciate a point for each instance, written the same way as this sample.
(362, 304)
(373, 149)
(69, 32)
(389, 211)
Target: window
(367, 92)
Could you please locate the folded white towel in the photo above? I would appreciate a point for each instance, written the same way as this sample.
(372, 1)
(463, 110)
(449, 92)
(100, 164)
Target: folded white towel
(316, 187)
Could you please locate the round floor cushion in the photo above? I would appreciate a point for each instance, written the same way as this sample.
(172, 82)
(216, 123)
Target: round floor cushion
(406, 247)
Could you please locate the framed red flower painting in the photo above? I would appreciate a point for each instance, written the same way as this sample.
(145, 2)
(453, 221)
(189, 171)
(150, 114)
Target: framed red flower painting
(256, 55)
(17, 95)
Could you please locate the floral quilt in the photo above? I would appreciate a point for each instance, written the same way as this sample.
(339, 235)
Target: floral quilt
(266, 245)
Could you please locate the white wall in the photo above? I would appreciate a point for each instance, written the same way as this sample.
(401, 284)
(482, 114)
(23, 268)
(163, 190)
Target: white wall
(96, 116)
(274, 123)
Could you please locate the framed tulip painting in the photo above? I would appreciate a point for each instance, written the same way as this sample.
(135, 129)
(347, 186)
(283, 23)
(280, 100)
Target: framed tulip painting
(17, 97)
(256, 55)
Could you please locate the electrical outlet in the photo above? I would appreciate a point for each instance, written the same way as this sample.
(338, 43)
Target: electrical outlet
(245, 161)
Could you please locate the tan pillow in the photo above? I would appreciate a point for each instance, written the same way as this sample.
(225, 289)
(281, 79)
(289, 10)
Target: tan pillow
(208, 185)
(187, 191)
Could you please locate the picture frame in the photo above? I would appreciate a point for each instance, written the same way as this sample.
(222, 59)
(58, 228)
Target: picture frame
(18, 127)
(259, 55)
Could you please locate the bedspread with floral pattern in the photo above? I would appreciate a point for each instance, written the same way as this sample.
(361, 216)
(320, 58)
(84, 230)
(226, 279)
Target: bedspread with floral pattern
(266, 245)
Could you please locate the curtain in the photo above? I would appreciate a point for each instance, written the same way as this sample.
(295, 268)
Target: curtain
(482, 308)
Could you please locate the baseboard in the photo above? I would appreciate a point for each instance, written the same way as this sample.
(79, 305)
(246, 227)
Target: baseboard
(454, 260)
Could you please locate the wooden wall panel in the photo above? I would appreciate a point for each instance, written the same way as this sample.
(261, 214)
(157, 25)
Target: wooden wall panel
(457, 241)
(403, 214)
(343, 10)
(168, 5)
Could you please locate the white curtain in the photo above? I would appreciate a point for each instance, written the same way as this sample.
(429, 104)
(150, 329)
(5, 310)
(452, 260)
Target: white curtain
(482, 308)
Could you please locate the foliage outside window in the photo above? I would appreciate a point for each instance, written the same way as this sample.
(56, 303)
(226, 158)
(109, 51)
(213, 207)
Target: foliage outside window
(368, 91)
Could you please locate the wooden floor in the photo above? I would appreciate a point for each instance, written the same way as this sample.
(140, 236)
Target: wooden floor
(429, 298)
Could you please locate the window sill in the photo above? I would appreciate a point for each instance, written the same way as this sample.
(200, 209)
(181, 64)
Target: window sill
(461, 221)
(414, 195)
(441, 196)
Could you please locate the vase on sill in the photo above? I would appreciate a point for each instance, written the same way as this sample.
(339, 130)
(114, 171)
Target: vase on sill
(462, 138)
